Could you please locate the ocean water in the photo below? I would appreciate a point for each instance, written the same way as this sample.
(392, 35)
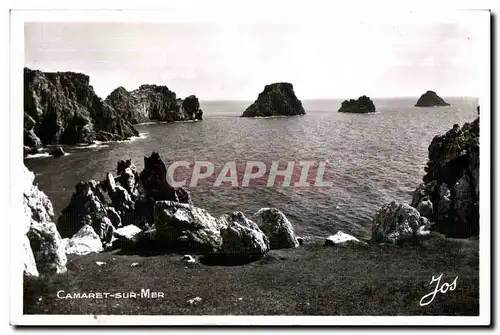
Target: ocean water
(371, 159)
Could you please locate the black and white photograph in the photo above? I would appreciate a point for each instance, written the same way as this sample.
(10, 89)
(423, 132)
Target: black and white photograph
(310, 165)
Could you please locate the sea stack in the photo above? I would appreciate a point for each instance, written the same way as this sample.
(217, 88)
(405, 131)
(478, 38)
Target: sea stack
(431, 99)
(153, 103)
(62, 108)
(361, 106)
(276, 99)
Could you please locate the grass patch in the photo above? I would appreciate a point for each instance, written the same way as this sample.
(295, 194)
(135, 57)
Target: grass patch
(309, 280)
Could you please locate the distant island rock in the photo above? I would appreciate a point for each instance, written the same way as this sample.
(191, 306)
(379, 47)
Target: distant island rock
(277, 99)
(431, 99)
(154, 103)
(62, 108)
(361, 106)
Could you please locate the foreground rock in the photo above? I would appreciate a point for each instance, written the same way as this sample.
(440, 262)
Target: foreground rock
(449, 194)
(241, 237)
(57, 152)
(361, 106)
(154, 103)
(62, 107)
(276, 99)
(87, 207)
(276, 227)
(430, 99)
(398, 223)
(84, 242)
(341, 238)
(191, 229)
(44, 254)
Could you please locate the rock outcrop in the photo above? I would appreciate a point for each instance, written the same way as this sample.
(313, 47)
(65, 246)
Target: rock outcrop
(121, 201)
(154, 103)
(42, 243)
(62, 107)
(276, 227)
(361, 106)
(449, 194)
(399, 223)
(276, 99)
(430, 99)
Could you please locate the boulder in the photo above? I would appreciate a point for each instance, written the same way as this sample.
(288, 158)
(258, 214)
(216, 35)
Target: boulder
(84, 242)
(276, 227)
(362, 105)
(241, 237)
(341, 238)
(276, 99)
(183, 227)
(45, 243)
(396, 223)
(430, 99)
(57, 152)
(186, 228)
(128, 232)
(425, 208)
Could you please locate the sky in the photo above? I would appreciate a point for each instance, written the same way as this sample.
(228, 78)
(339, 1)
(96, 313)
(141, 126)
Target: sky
(234, 61)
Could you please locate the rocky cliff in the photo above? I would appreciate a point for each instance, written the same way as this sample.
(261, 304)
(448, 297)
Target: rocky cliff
(431, 99)
(277, 99)
(62, 107)
(361, 106)
(43, 248)
(449, 194)
(154, 103)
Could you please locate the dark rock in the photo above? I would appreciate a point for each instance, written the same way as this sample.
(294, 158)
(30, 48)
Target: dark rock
(128, 177)
(29, 151)
(57, 152)
(66, 110)
(399, 223)
(361, 106)
(153, 103)
(451, 182)
(154, 181)
(276, 99)
(87, 206)
(430, 99)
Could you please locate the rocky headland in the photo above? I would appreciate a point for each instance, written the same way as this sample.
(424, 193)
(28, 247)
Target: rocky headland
(430, 99)
(276, 99)
(449, 194)
(154, 103)
(62, 108)
(362, 105)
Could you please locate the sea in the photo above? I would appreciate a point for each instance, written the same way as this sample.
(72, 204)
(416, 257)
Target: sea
(372, 159)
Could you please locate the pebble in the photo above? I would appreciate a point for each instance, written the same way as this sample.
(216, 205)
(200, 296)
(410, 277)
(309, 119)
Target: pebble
(194, 300)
